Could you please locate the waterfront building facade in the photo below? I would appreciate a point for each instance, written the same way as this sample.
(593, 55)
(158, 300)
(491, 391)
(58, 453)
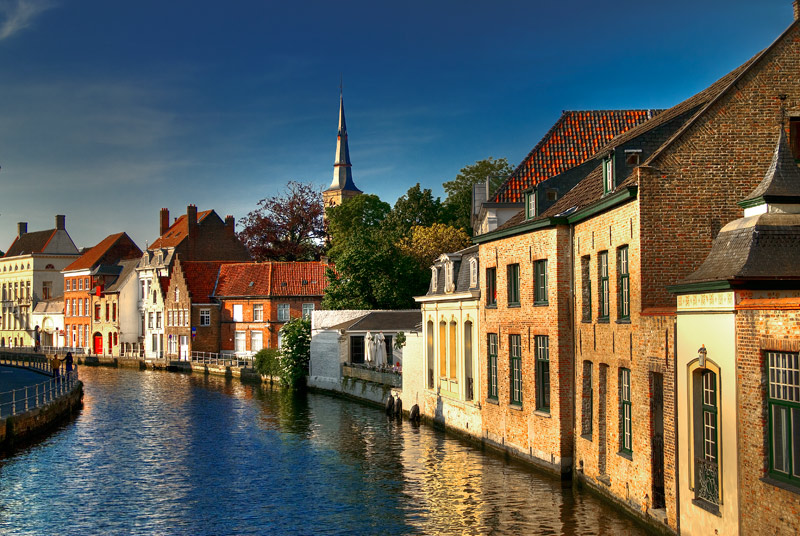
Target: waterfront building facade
(49, 316)
(257, 299)
(115, 306)
(84, 279)
(30, 271)
(451, 386)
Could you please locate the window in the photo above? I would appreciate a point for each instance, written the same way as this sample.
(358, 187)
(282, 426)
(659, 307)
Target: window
(69, 284)
(623, 284)
(356, 348)
(69, 313)
(170, 318)
(587, 400)
(625, 438)
(75, 311)
(143, 289)
(473, 272)
(237, 312)
(239, 342)
(512, 273)
(602, 267)
(86, 308)
(491, 345)
(632, 157)
(706, 427)
(530, 204)
(431, 354)
(150, 317)
(608, 174)
(80, 284)
(491, 287)
(177, 294)
(158, 318)
(586, 289)
(469, 393)
(258, 312)
(543, 373)
(540, 282)
(283, 312)
(205, 317)
(784, 415)
(515, 345)
(256, 341)
(434, 279)
(794, 136)
(114, 312)
(47, 290)
(79, 309)
(87, 283)
(308, 308)
(453, 330)
(442, 349)
(107, 316)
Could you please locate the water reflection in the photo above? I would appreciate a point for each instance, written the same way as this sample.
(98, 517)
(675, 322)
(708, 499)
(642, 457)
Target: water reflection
(167, 453)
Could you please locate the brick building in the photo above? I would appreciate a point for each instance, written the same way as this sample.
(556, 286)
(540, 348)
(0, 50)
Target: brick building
(30, 271)
(571, 142)
(85, 279)
(191, 314)
(257, 299)
(115, 307)
(194, 236)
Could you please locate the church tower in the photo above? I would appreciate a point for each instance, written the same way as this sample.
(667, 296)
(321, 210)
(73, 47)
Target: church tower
(342, 187)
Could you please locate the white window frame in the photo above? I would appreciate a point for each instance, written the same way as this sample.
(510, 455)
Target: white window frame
(284, 312)
(308, 308)
(258, 312)
(238, 312)
(205, 317)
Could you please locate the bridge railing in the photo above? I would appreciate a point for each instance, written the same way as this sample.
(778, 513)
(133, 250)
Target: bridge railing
(30, 397)
(232, 359)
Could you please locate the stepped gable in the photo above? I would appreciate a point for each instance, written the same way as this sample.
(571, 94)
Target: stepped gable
(573, 139)
(201, 278)
(177, 232)
(34, 242)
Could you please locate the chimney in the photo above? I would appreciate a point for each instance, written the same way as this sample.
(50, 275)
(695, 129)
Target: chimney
(163, 223)
(191, 220)
(191, 215)
(230, 225)
(61, 222)
(796, 5)
(22, 228)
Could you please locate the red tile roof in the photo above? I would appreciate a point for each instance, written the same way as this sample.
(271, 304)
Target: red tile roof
(201, 277)
(95, 255)
(576, 136)
(272, 279)
(34, 242)
(177, 232)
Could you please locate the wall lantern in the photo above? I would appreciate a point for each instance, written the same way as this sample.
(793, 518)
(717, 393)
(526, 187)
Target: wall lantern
(701, 356)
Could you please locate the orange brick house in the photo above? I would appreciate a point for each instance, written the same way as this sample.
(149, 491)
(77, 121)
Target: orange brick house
(82, 282)
(257, 299)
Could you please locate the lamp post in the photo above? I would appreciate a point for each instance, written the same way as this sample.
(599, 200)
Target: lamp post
(701, 356)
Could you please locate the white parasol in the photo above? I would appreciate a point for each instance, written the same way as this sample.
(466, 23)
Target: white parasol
(369, 348)
(380, 349)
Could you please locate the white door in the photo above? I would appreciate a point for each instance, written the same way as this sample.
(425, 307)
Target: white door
(184, 356)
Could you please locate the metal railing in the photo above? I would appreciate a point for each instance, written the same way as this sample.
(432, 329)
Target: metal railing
(707, 485)
(59, 350)
(228, 359)
(30, 397)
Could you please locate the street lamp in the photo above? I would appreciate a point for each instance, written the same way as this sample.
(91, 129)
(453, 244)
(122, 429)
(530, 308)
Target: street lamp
(701, 356)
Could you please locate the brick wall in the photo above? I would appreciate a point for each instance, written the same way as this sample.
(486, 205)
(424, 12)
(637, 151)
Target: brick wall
(544, 438)
(765, 507)
(270, 324)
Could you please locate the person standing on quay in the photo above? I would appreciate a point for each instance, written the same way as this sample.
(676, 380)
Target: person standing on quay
(55, 364)
(68, 362)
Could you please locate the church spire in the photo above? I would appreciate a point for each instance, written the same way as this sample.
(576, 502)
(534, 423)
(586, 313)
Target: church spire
(342, 172)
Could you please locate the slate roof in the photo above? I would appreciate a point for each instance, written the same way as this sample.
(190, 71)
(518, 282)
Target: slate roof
(177, 232)
(272, 279)
(574, 138)
(461, 274)
(127, 266)
(34, 242)
(781, 184)
(403, 320)
(766, 246)
(95, 255)
(201, 278)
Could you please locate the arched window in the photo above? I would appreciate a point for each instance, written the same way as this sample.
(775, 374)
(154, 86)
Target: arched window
(431, 356)
(453, 358)
(705, 433)
(473, 272)
(442, 349)
(434, 279)
(470, 387)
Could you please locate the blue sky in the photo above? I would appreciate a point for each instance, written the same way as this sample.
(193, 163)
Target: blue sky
(112, 110)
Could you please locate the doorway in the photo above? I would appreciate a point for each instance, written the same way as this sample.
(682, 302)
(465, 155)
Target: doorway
(98, 344)
(657, 436)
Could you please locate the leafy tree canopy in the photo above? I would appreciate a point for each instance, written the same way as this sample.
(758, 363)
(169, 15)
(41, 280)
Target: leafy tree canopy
(416, 207)
(425, 244)
(295, 352)
(358, 214)
(286, 227)
(458, 203)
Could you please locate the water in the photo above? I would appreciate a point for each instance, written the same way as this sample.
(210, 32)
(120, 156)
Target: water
(162, 453)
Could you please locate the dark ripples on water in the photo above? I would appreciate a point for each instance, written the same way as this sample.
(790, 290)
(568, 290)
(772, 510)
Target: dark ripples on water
(161, 453)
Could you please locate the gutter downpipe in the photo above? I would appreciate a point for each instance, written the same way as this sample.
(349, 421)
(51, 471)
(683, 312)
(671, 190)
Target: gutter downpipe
(572, 333)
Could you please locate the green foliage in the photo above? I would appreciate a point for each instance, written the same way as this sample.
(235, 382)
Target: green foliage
(267, 362)
(416, 207)
(295, 352)
(425, 244)
(399, 340)
(458, 204)
(359, 214)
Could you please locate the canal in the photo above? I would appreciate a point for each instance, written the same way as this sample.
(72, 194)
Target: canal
(161, 453)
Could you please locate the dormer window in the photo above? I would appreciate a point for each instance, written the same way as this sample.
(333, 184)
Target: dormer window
(434, 279)
(473, 272)
(449, 283)
(530, 204)
(608, 174)
(633, 157)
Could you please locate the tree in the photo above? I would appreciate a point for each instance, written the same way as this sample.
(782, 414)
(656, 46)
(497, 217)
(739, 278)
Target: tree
(295, 352)
(267, 362)
(425, 244)
(286, 227)
(458, 203)
(361, 213)
(416, 207)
